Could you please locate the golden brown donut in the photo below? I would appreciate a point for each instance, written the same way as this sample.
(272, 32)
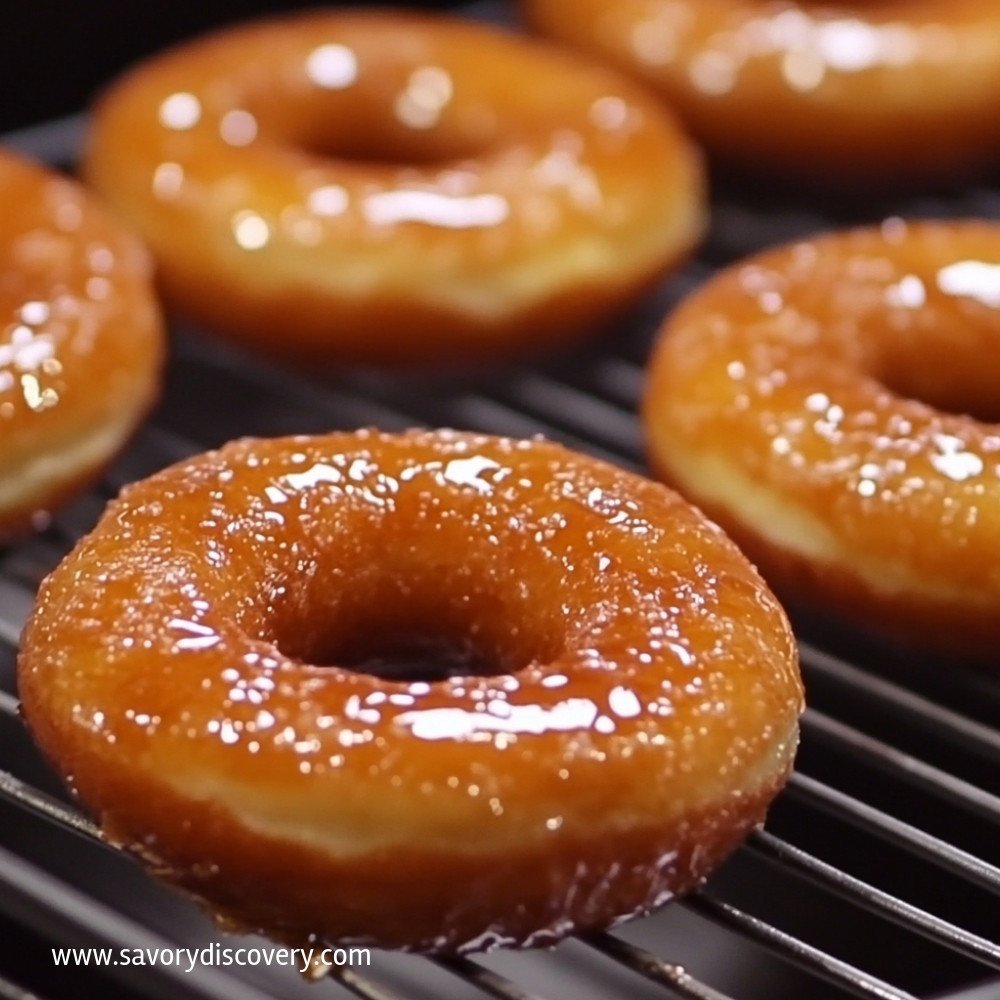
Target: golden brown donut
(394, 188)
(859, 93)
(81, 343)
(609, 701)
(833, 404)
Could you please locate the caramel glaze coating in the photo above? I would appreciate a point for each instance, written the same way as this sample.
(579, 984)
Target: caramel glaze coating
(394, 188)
(831, 93)
(81, 342)
(810, 399)
(643, 715)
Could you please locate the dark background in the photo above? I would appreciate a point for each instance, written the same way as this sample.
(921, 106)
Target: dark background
(54, 56)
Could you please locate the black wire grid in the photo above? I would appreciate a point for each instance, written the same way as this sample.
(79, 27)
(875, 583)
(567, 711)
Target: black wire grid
(877, 875)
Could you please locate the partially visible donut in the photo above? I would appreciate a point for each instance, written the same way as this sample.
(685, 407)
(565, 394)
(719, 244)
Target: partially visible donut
(609, 700)
(394, 188)
(81, 342)
(834, 405)
(858, 93)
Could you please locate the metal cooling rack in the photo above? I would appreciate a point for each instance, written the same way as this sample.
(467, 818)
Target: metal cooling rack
(878, 875)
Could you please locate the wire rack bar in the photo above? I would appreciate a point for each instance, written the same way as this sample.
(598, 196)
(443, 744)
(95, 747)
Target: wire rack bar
(806, 957)
(590, 416)
(48, 904)
(487, 980)
(15, 601)
(619, 380)
(876, 900)
(26, 796)
(159, 447)
(342, 404)
(674, 977)
(903, 766)
(953, 726)
(984, 991)
(24, 567)
(482, 412)
(62, 133)
(11, 991)
(896, 831)
(362, 986)
(8, 705)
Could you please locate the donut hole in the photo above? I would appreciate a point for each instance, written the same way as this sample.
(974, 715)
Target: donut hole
(411, 632)
(392, 147)
(953, 367)
(373, 130)
(413, 655)
(962, 397)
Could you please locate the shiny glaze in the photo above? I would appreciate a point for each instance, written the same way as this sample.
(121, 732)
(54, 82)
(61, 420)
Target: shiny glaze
(860, 93)
(814, 399)
(80, 339)
(394, 188)
(644, 716)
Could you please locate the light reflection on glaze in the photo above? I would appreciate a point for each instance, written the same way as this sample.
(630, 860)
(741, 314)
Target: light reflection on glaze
(421, 103)
(198, 636)
(975, 279)
(808, 49)
(332, 66)
(807, 45)
(238, 127)
(330, 199)
(909, 292)
(469, 471)
(388, 208)
(320, 472)
(179, 112)
(168, 178)
(457, 723)
(250, 230)
(29, 363)
(714, 43)
(953, 461)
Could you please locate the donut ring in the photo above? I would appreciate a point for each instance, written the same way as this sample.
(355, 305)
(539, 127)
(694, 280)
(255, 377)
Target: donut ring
(810, 400)
(855, 93)
(370, 188)
(81, 343)
(641, 713)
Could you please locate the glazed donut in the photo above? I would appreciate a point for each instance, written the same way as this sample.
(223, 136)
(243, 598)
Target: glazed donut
(859, 93)
(374, 188)
(608, 701)
(81, 343)
(810, 399)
